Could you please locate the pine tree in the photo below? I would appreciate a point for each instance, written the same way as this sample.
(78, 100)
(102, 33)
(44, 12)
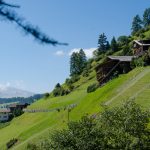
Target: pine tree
(83, 59)
(74, 64)
(136, 24)
(146, 17)
(77, 62)
(103, 44)
(107, 46)
(114, 45)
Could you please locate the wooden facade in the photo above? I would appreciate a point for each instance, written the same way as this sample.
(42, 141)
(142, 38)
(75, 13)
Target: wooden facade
(140, 47)
(19, 106)
(120, 64)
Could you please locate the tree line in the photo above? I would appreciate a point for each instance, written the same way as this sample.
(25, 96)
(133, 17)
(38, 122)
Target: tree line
(138, 23)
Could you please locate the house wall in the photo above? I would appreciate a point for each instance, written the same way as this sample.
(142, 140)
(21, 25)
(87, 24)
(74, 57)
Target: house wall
(104, 71)
(4, 116)
(139, 50)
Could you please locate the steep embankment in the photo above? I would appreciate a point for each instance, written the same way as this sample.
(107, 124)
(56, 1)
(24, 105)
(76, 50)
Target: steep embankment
(32, 127)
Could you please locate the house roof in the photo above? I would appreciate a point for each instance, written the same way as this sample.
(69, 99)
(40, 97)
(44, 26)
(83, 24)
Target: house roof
(4, 110)
(121, 58)
(13, 105)
(142, 42)
(17, 105)
(118, 58)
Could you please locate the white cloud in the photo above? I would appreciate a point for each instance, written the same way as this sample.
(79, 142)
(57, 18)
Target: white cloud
(16, 84)
(4, 86)
(60, 53)
(88, 52)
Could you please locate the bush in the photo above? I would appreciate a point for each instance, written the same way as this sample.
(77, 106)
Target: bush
(32, 146)
(46, 95)
(71, 87)
(11, 143)
(58, 92)
(141, 61)
(126, 50)
(17, 112)
(75, 78)
(92, 88)
(124, 128)
(68, 81)
(4, 124)
(123, 40)
(85, 73)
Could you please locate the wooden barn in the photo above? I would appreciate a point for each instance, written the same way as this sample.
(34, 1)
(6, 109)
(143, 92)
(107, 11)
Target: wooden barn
(140, 47)
(120, 64)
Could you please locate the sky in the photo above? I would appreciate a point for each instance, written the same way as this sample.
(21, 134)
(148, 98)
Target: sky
(28, 65)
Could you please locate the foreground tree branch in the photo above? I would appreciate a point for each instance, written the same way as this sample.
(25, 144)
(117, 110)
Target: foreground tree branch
(11, 16)
(9, 5)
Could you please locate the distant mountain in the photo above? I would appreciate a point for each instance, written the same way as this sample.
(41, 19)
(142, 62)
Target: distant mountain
(28, 100)
(9, 92)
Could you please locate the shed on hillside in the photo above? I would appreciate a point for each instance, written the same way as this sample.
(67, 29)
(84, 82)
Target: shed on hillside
(120, 64)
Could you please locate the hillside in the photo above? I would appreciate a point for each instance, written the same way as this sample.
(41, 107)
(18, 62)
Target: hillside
(32, 127)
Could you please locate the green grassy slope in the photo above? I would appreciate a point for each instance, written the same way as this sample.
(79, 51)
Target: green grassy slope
(32, 127)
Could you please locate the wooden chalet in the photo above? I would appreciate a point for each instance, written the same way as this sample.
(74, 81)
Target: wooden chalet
(120, 64)
(15, 106)
(140, 47)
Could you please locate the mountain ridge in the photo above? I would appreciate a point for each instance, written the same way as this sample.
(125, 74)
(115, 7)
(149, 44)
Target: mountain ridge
(10, 92)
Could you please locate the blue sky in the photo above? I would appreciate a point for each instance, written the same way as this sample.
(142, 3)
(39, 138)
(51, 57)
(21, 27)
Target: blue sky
(28, 65)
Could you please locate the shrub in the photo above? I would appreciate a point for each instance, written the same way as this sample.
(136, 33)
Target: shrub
(46, 95)
(85, 72)
(141, 61)
(124, 127)
(58, 85)
(58, 92)
(75, 78)
(32, 146)
(71, 87)
(92, 88)
(11, 143)
(123, 40)
(68, 81)
(3, 125)
(17, 112)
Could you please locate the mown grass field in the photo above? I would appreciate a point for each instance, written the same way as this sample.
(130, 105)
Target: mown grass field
(32, 127)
